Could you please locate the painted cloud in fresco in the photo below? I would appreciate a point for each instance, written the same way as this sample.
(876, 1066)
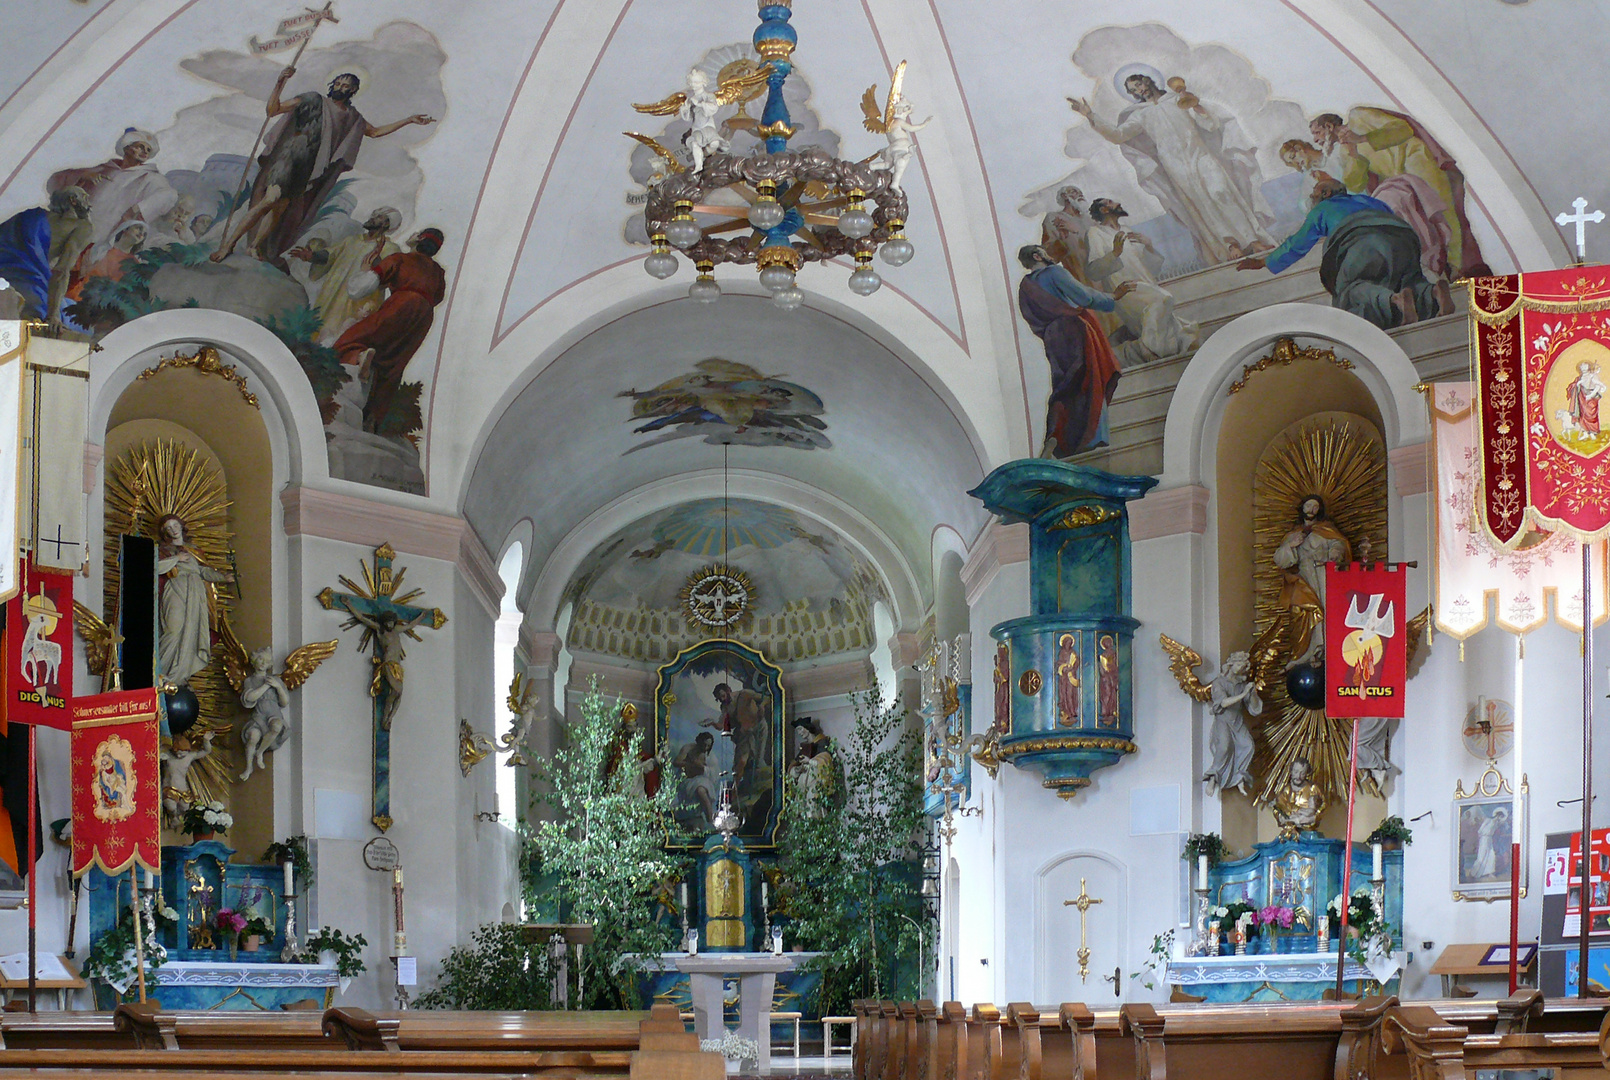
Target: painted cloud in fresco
(726, 402)
(333, 268)
(808, 129)
(1251, 125)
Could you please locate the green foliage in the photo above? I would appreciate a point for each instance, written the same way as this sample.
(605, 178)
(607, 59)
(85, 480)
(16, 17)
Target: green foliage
(1209, 844)
(293, 848)
(1392, 828)
(851, 880)
(1157, 958)
(348, 950)
(501, 970)
(112, 955)
(299, 329)
(403, 416)
(600, 850)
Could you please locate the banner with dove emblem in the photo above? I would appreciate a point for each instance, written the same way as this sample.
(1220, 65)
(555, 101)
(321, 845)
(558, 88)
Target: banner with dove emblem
(1366, 659)
(1541, 342)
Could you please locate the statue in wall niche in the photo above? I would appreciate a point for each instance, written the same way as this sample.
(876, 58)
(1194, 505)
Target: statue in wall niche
(1299, 802)
(177, 760)
(1374, 749)
(184, 628)
(1312, 542)
(267, 695)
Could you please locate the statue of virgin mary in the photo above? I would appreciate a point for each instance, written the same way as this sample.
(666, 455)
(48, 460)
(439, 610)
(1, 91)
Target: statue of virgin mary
(184, 644)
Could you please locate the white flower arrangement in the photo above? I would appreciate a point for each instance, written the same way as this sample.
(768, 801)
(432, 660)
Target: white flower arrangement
(732, 1046)
(1244, 922)
(1221, 911)
(215, 815)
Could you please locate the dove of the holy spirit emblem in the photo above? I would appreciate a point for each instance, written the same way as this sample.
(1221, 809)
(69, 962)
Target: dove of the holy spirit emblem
(718, 596)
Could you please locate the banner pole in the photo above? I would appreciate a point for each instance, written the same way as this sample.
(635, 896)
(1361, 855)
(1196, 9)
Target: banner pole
(1347, 864)
(1518, 823)
(33, 846)
(139, 930)
(1587, 770)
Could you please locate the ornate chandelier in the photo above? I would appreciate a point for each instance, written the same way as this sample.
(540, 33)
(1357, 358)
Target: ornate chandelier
(799, 205)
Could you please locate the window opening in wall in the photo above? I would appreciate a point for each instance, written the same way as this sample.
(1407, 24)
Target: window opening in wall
(883, 653)
(505, 641)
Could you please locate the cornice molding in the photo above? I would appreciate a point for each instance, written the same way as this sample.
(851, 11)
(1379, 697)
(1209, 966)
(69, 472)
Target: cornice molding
(1000, 545)
(1169, 512)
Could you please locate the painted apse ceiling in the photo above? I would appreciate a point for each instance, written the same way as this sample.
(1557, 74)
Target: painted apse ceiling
(811, 594)
(501, 397)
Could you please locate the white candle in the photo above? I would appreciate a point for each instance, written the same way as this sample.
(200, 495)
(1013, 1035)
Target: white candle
(290, 877)
(763, 897)
(396, 877)
(682, 896)
(150, 878)
(1202, 872)
(1375, 862)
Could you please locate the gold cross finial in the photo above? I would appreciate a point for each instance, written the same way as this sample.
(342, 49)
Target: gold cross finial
(1084, 902)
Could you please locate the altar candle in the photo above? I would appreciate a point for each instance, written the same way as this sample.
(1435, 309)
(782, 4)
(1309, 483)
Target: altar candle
(290, 881)
(682, 896)
(1202, 872)
(1375, 862)
(396, 877)
(763, 896)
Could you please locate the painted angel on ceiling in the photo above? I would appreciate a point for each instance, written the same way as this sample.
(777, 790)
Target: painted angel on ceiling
(893, 121)
(698, 104)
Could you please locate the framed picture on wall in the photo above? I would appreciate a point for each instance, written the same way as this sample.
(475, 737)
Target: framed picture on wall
(1484, 835)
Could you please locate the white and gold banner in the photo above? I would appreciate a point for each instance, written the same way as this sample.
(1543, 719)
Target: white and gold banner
(11, 363)
(1478, 582)
(54, 414)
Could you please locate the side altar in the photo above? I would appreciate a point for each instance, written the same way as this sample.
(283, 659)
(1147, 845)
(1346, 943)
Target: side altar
(1296, 963)
(203, 966)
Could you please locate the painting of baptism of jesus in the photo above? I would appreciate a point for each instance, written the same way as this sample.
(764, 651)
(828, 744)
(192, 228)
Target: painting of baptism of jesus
(719, 717)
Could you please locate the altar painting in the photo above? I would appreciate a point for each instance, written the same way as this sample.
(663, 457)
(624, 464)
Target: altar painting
(718, 717)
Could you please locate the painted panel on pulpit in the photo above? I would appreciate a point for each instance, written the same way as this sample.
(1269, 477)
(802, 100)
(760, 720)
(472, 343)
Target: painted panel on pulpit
(718, 712)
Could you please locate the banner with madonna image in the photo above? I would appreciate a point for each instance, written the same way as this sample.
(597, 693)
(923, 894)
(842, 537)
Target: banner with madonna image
(115, 767)
(1541, 342)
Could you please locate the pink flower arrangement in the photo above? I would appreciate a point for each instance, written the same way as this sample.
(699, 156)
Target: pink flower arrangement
(1276, 915)
(229, 920)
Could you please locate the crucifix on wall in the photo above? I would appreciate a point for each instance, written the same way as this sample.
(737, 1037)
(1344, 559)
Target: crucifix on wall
(1084, 902)
(386, 618)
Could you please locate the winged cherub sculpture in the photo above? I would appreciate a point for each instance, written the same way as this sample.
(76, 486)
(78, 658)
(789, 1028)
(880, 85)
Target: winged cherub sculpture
(265, 693)
(698, 104)
(893, 122)
(1233, 691)
(525, 702)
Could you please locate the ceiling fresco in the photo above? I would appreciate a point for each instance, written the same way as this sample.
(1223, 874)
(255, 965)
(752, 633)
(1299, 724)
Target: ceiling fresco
(812, 594)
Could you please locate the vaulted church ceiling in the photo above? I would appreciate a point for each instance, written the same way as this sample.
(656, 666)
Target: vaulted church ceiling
(494, 176)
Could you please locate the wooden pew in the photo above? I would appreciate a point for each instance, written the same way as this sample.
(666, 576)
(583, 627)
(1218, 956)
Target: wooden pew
(83, 1030)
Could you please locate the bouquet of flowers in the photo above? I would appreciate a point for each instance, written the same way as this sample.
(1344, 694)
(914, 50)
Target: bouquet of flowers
(1374, 936)
(200, 817)
(1236, 915)
(229, 921)
(1276, 915)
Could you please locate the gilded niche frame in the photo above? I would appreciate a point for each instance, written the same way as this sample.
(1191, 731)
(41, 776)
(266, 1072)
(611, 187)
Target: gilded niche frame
(720, 715)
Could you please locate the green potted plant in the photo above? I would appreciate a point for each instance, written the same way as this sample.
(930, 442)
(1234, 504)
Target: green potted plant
(112, 958)
(203, 820)
(1392, 834)
(331, 946)
(254, 932)
(1210, 844)
(293, 849)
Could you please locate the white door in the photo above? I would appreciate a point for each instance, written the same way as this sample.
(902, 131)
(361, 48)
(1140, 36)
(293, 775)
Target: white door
(1061, 930)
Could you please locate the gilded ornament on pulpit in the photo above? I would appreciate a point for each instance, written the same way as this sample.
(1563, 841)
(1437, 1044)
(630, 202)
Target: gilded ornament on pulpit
(1030, 682)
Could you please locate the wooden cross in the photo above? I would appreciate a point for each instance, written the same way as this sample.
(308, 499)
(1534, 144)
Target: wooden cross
(385, 618)
(1580, 219)
(1084, 902)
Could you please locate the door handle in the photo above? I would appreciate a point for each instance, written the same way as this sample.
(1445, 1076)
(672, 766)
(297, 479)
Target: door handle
(1115, 978)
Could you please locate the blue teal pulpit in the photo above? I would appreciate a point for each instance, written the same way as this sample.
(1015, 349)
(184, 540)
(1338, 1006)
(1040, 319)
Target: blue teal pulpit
(1063, 674)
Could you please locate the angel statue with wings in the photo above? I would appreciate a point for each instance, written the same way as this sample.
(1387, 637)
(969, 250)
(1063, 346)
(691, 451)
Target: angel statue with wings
(525, 702)
(1234, 690)
(698, 104)
(266, 694)
(893, 122)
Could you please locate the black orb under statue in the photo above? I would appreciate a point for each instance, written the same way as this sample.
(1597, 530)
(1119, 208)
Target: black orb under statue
(183, 710)
(1306, 685)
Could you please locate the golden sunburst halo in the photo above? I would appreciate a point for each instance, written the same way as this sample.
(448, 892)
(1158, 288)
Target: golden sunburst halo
(719, 596)
(1342, 460)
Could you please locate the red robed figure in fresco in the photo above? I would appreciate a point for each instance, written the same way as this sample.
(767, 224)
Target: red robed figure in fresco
(381, 344)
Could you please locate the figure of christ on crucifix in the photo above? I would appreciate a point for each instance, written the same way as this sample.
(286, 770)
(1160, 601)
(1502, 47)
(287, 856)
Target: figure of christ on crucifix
(386, 619)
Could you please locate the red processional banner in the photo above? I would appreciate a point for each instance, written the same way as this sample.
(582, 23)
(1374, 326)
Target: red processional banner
(38, 643)
(1542, 348)
(1366, 636)
(117, 790)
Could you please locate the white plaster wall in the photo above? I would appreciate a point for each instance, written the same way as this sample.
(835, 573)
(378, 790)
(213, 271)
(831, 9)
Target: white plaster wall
(458, 873)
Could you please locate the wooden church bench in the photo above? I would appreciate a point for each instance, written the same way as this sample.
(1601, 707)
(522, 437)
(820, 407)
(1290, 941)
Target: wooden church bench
(431, 1030)
(154, 1028)
(609, 1063)
(63, 1029)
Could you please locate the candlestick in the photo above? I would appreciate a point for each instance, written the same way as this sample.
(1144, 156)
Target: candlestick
(1375, 862)
(1201, 871)
(764, 905)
